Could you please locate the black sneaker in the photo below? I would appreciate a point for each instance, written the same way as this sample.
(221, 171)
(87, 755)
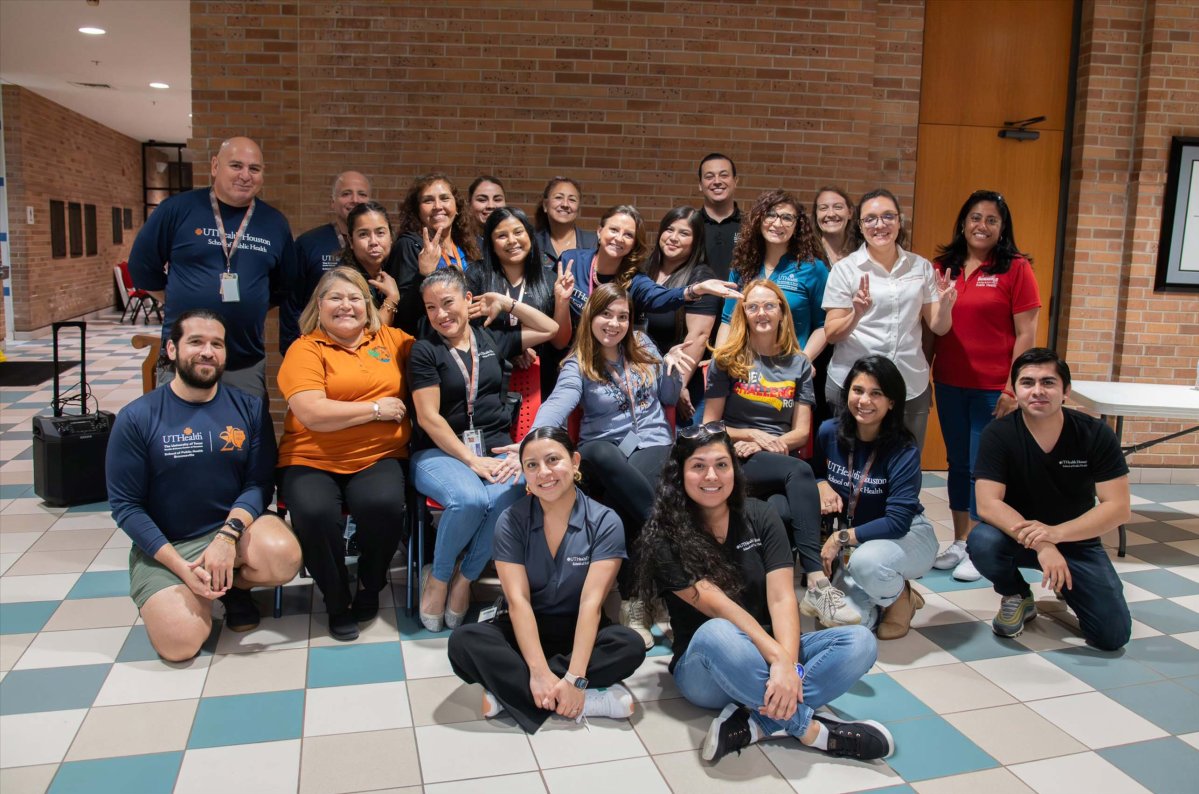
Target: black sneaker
(343, 627)
(865, 740)
(241, 613)
(366, 605)
(732, 731)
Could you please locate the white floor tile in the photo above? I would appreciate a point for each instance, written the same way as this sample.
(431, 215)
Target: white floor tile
(636, 774)
(146, 682)
(523, 783)
(17, 542)
(426, 658)
(39, 738)
(1030, 677)
(289, 631)
(561, 742)
(1096, 720)
(262, 768)
(1084, 773)
(652, 680)
(356, 709)
(39, 587)
(72, 648)
(473, 749)
(812, 772)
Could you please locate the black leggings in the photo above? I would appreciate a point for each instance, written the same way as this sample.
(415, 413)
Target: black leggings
(769, 474)
(627, 485)
(374, 497)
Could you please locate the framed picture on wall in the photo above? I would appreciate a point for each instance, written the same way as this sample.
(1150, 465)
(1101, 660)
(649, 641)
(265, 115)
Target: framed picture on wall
(1178, 250)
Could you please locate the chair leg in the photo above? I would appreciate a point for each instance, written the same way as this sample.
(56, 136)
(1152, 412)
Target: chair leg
(278, 601)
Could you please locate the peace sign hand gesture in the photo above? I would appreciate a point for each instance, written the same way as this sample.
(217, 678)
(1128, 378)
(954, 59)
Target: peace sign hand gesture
(861, 298)
(947, 289)
(564, 285)
(430, 254)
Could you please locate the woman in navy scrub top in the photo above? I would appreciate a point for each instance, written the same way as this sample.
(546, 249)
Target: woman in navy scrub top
(551, 649)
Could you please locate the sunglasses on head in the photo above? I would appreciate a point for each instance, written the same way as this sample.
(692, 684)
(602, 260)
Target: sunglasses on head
(694, 431)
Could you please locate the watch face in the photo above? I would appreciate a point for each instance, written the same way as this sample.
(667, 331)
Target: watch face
(581, 683)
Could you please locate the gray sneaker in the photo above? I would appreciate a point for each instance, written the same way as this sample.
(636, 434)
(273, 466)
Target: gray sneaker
(830, 606)
(1014, 612)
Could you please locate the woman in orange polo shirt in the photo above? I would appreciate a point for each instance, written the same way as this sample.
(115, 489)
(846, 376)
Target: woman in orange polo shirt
(346, 429)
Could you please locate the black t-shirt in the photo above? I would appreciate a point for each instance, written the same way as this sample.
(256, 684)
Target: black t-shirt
(667, 329)
(720, 237)
(756, 546)
(430, 364)
(1054, 487)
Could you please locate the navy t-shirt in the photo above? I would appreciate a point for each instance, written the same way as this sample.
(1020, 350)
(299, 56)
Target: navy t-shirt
(645, 294)
(162, 448)
(182, 231)
(593, 533)
(317, 251)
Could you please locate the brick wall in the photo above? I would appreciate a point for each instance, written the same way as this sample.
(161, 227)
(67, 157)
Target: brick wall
(55, 153)
(1138, 86)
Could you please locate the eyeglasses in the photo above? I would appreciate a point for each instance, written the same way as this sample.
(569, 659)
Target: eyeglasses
(886, 219)
(785, 218)
(695, 431)
(754, 308)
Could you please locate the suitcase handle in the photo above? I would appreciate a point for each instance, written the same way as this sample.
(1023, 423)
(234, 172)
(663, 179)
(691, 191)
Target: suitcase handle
(82, 326)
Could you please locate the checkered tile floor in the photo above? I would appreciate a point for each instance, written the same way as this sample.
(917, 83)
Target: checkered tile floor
(86, 706)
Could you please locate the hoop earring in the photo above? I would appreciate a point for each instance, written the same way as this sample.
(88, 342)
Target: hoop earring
(578, 476)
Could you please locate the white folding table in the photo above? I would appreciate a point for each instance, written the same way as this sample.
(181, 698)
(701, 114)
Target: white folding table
(1127, 398)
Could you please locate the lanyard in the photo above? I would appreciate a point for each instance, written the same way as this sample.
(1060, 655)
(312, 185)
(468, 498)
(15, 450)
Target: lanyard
(628, 388)
(520, 298)
(454, 258)
(856, 491)
(228, 249)
(343, 241)
(471, 379)
(593, 279)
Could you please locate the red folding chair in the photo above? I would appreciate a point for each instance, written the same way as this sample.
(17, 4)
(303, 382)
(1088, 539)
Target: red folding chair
(139, 300)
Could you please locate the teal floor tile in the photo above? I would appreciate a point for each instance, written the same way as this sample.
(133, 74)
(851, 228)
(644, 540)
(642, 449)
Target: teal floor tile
(17, 491)
(1167, 705)
(931, 747)
(101, 584)
(1164, 766)
(972, 641)
(1191, 682)
(368, 663)
(943, 582)
(880, 697)
(137, 647)
(144, 774)
(52, 688)
(1164, 583)
(1162, 554)
(26, 617)
(1168, 656)
(1161, 532)
(931, 480)
(891, 790)
(1165, 616)
(1164, 492)
(1102, 669)
(91, 507)
(245, 719)
(411, 628)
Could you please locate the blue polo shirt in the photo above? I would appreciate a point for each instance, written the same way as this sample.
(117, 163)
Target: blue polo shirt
(802, 284)
(593, 533)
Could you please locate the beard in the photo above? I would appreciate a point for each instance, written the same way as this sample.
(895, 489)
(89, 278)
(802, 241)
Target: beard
(188, 372)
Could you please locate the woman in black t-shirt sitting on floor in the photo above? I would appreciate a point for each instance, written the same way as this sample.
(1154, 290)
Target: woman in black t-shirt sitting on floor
(723, 564)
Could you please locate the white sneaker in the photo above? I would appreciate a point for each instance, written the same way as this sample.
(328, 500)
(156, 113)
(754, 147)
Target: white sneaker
(635, 614)
(830, 606)
(952, 556)
(615, 701)
(966, 572)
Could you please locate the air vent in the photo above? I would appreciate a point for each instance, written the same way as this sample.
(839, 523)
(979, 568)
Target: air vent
(91, 85)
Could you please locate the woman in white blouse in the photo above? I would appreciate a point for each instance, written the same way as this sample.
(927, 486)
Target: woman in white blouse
(875, 301)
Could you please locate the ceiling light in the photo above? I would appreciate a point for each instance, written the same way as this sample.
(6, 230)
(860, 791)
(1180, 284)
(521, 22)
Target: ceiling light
(159, 85)
(93, 31)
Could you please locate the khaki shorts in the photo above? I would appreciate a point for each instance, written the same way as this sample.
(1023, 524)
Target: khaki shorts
(147, 575)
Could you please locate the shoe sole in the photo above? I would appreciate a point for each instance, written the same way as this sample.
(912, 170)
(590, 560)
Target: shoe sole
(712, 740)
(242, 627)
(878, 726)
(1032, 614)
(812, 612)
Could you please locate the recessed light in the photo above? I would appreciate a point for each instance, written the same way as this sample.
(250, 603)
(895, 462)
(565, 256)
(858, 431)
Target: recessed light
(159, 85)
(93, 31)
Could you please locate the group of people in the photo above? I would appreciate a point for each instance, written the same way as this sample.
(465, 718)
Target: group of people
(683, 451)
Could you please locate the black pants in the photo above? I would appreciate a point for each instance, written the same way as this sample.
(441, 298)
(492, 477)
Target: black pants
(627, 485)
(373, 496)
(770, 474)
(487, 654)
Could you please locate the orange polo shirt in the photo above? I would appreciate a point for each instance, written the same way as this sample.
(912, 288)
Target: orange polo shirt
(376, 369)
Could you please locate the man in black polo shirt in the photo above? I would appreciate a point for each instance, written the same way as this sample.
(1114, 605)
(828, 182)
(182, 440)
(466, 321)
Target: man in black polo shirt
(722, 218)
(1049, 482)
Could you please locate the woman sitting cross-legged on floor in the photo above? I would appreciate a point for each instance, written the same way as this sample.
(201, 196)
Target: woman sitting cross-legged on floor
(550, 649)
(724, 566)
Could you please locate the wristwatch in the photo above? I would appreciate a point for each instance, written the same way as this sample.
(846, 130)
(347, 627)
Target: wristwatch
(843, 537)
(236, 524)
(577, 681)
(799, 671)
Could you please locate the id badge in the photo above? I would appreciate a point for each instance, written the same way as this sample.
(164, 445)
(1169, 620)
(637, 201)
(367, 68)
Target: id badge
(229, 292)
(630, 444)
(487, 615)
(473, 439)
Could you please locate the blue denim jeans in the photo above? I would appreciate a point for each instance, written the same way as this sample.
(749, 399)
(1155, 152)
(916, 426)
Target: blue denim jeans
(963, 414)
(472, 507)
(722, 665)
(1097, 594)
(878, 568)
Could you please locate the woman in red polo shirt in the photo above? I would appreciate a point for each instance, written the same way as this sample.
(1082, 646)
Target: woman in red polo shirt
(994, 320)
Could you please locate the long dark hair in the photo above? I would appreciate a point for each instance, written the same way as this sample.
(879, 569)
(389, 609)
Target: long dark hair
(347, 258)
(539, 288)
(751, 246)
(952, 257)
(675, 529)
(410, 222)
(901, 237)
(893, 434)
(695, 219)
(541, 218)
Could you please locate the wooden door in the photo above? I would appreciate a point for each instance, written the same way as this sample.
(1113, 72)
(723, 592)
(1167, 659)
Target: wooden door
(985, 64)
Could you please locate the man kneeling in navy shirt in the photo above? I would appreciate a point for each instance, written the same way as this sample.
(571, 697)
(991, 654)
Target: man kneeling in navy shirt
(190, 473)
(1038, 473)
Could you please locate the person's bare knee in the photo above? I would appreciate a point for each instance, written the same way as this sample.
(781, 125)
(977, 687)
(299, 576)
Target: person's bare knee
(270, 552)
(178, 622)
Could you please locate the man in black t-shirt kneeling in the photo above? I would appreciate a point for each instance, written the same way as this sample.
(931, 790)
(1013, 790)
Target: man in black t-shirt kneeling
(1049, 482)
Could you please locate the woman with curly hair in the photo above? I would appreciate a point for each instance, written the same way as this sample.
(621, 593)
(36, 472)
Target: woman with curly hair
(434, 232)
(776, 243)
(621, 382)
(723, 564)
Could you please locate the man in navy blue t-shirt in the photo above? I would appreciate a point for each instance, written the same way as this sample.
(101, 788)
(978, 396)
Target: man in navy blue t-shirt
(190, 471)
(221, 249)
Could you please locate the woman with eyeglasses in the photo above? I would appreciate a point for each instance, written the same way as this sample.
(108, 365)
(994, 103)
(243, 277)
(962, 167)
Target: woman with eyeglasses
(760, 386)
(549, 648)
(867, 468)
(994, 321)
(723, 565)
(557, 218)
(876, 301)
(776, 243)
(621, 382)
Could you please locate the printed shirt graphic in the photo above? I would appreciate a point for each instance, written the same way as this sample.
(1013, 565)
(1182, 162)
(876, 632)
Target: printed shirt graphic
(766, 399)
